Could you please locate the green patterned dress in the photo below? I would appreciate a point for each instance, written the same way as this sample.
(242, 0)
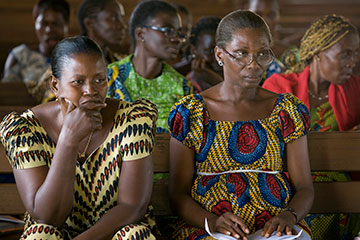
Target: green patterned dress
(125, 83)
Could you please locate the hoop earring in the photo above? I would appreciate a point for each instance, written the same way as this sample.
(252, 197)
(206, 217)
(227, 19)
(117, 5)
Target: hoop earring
(220, 63)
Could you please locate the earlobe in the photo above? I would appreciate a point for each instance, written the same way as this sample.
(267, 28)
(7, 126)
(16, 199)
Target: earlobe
(54, 85)
(139, 35)
(218, 54)
(89, 25)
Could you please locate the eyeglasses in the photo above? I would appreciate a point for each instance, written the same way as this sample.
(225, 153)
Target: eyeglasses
(263, 58)
(170, 33)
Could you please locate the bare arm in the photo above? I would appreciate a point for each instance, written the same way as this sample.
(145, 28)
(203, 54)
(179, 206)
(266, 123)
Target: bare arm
(181, 179)
(300, 177)
(48, 194)
(135, 187)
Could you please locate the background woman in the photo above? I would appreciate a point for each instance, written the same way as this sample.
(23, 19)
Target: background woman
(75, 172)
(320, 74)
(103, 21)
(228, 145)
(25, 64)
(205, 70)
(156, 36)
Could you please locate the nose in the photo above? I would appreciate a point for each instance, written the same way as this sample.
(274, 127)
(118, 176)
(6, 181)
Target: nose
(89, 89)
(47, 28)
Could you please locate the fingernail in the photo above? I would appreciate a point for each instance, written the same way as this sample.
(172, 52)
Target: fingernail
(236, 236)
(228, 233)
(247, 231)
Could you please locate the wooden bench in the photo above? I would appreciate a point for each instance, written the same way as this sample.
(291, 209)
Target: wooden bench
(338, 151)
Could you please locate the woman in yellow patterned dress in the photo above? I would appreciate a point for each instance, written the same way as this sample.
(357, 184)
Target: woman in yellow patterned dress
(229, 143)
(82, 164)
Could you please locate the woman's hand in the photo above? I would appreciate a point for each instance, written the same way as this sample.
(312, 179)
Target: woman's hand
(283, 223)
(82, 120)
(229, 224)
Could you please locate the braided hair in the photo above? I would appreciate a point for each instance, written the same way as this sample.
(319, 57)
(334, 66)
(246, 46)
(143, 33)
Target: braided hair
(322, 34)
(205, 24)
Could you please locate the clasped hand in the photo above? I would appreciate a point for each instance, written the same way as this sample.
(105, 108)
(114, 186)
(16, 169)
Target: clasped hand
(84, 119)
(232, 225)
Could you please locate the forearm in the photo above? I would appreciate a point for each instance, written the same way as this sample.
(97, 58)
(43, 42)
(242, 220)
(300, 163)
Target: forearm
(113, 221)
(190, 211)
(54, 199)
(302, 202)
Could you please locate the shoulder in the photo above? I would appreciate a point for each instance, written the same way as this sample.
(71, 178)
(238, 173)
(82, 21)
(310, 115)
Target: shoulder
(14, 125)
(120, 63)
(169, 70)
(139, 109)
(118, 72)
(289, 100)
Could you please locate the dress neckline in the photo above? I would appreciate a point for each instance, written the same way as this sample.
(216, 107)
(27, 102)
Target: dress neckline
(253, 120)
(95, 150)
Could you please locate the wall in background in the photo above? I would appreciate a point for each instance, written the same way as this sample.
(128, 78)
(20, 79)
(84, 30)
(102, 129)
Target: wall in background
(16, 22)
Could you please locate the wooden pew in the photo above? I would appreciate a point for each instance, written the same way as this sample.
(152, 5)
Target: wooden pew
(338, 151)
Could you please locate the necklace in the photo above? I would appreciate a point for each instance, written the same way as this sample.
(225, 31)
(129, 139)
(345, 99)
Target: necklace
(318, 98)
(81, 156)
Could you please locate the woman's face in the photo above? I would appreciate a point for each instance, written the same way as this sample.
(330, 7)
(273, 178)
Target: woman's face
(50, 28)
(109, 25)
(159, 44)
(83, 80)
(336, 63)
(205, 49)
(246, 44)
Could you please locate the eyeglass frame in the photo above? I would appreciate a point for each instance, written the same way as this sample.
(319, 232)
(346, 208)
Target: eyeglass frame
(182, 37)
(252, 58)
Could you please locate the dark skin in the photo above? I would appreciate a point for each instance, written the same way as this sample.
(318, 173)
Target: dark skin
(108, 27)
(50, 28)
(333, 65)
(153, 47)
(204, 67)
(82, 108)
(239, 98)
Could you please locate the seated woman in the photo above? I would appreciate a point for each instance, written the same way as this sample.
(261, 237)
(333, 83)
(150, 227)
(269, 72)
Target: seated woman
(205, 71)
(229, 143)
(103, 21)
(24, 64)
(81, 173)
(156, 37)
(321, 76)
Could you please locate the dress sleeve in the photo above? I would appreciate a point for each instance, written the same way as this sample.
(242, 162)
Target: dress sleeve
(138, 136)
(117, 75)
(188, 87)
(186, 121)
(25, 144)
(294, 118)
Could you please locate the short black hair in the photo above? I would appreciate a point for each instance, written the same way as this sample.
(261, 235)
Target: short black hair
(147, 10)
(239, 19)
(61, 6)
(69, 47)
(204, 24)
(89, 8)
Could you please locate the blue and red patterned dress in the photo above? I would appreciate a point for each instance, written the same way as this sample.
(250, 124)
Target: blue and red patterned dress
(239, 164)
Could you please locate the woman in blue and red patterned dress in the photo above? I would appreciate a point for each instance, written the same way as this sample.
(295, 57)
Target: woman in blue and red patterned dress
(229, 143)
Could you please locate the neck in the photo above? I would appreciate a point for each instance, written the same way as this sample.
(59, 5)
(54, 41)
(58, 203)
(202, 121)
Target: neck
(146, 66)
(43, 51)
(232, 93)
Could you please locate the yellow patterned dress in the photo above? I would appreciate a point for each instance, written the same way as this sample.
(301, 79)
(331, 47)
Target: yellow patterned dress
(96, 183)
(239, 164)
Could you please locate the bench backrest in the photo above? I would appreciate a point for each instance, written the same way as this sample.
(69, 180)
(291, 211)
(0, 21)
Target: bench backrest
(338, 151)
